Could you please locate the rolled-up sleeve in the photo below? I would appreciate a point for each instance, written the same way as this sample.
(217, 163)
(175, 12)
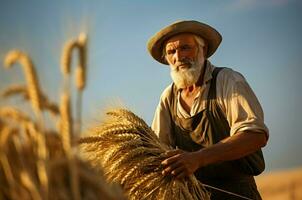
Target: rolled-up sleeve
(242, 108)
(161, 124)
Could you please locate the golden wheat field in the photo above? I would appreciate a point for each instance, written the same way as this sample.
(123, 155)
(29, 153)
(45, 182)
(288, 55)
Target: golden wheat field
(54, 159)
(281, 185)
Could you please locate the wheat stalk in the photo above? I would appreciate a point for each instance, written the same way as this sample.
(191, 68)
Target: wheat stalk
(27, 182)
(81, 77)
(79, 44)
(19, 172)
(7, 169)
(66, 134)
(34, 94)
(42, 156)
(66, 122)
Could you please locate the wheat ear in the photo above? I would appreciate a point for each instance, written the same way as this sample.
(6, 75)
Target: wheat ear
(15, 90)
(30, 73)
(81, 69)
(9, 112)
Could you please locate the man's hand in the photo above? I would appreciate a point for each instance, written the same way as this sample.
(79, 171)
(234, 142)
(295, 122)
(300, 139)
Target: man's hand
(180, 163)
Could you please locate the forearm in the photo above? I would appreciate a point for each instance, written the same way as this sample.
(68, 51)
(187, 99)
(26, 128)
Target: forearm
(231, 148)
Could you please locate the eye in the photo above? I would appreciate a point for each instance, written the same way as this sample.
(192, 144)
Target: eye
(186, 47)
(170, 51)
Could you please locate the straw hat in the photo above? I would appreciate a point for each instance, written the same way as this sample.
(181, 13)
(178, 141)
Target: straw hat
(208, 33)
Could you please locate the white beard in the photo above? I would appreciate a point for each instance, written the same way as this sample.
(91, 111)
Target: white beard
(186, 77)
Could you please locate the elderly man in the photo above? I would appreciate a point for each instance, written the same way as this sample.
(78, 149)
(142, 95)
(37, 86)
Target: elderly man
(209, 114)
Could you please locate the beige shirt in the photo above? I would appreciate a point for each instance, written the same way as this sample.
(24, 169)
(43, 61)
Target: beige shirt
(234, 96)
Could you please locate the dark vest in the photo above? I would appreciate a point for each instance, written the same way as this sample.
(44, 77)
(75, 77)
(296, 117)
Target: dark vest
(206, 128)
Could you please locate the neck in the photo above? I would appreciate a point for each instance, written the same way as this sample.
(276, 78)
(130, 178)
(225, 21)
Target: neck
(191, 88)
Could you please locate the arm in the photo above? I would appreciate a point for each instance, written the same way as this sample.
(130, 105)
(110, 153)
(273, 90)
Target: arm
(232, 148)
(161, 124)
(182, 163)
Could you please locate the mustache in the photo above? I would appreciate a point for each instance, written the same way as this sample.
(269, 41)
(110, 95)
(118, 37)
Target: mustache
(184, 62)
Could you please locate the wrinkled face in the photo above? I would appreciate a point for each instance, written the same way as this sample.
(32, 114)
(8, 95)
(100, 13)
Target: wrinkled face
(186, 58)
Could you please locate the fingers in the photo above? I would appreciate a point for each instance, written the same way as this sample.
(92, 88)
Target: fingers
(176, 169)
(170, 160)
(173, 152)
(181, 175)
(172, 167)
(179, 164)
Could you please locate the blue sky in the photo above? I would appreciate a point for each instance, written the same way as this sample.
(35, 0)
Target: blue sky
(261, 39)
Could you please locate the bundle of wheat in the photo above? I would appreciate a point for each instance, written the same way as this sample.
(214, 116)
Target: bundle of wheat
(130, 154)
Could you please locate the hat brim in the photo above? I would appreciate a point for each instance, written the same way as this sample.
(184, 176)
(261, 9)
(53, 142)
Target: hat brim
(208, 33)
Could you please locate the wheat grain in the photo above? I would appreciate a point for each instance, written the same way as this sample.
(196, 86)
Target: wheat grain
(117, 137)
(81, 69)
(148, 177)
(67, 56)
(80, 78)
(30, 73)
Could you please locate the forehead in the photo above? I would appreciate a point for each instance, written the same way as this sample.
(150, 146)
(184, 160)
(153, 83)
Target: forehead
(180, 39)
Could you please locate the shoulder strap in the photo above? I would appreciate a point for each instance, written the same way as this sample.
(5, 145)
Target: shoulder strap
(212, 90)
(172, 107)
(172, 101)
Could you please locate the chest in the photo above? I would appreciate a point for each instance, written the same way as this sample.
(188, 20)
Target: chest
(187, 99)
